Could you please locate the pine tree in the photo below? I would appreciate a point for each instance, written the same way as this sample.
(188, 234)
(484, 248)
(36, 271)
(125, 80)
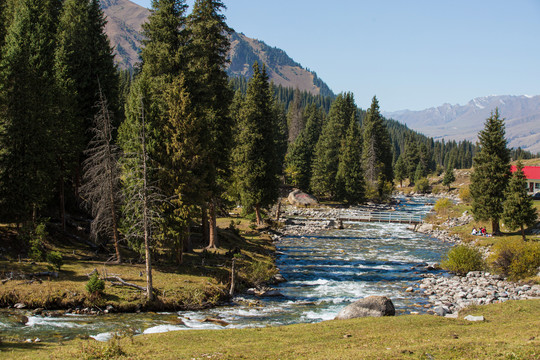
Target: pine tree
(254, 156)
(165, 35)
(72, 50)
(183, 132)
(101, 72)
(377, 150)
(295, 118)
(519, 210)
(326, 157)
(28, 167)
(300, 155)
(411, 158)
(207, 82)
(350, 176)
(143, 203)
(400, 170)
(449, 177)
(420, 172)
(101, 180)
(491, 172)
(163, 61)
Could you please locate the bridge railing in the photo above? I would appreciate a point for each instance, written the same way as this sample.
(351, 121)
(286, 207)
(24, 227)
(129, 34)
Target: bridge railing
(384, 216)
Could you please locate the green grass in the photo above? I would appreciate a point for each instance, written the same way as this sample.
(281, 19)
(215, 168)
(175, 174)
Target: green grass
(511, 331)
(202, 280)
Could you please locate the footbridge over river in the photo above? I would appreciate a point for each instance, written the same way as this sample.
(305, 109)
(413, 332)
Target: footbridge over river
(400, 217)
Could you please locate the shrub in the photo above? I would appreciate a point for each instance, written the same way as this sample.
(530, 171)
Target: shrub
(259, 272)
(465, 194)
(55, 260)
(442, 205)
(422, 186)
(95, 285)
(35, 239)
(435, 190)
(516, 259)
(461, 259)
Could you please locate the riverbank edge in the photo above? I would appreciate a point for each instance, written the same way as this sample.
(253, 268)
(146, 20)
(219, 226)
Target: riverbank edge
(213, 292)
(449, 295)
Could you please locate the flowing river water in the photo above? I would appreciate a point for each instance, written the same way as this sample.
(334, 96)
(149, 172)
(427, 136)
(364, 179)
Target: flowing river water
(326, 271)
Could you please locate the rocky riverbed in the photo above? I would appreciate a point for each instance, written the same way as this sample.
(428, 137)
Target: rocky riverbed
(450, 294)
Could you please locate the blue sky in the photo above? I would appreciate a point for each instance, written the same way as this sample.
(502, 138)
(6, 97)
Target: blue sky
(412, 54)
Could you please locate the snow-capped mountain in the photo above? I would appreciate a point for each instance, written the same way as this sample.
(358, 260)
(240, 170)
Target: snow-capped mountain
(459, 122)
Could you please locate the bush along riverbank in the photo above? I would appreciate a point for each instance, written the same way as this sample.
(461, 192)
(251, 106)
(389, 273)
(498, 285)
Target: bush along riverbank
(506, 268)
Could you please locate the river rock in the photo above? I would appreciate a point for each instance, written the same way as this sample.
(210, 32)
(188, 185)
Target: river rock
(298, 197)
(425, 228)
(474, 318)
(371, 306)
(278, 278)
(216, 321)
(19, 305)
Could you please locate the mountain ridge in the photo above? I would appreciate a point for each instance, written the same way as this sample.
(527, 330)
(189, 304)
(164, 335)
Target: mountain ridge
(462, 122)
(124, 23)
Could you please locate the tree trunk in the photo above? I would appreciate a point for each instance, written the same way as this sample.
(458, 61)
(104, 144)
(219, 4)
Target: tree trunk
(204, 224)
(212, 226)
(258, 214)
(146, 221)
(116, 237)
(179, 250)
(187, 245)
(231, 291)
(62, 204)
(523, 232)
(278, 209)
(495, 227)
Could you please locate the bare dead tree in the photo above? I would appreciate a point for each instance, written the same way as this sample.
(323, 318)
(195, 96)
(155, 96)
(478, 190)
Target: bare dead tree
(101, 179)
(143, 201)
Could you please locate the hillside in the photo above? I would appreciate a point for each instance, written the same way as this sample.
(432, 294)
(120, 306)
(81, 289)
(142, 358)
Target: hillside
(125, 19)
(459, 122)
(124, 24)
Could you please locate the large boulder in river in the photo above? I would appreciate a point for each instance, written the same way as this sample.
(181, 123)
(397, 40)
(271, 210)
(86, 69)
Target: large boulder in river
(372, 306)
(298, 197)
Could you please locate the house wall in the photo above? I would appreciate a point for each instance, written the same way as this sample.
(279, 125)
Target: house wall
(533, 186)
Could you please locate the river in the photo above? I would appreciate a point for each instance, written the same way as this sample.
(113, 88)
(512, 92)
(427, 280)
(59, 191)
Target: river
(325, 272)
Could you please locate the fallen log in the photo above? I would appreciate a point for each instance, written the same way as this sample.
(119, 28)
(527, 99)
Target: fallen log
(121, 282)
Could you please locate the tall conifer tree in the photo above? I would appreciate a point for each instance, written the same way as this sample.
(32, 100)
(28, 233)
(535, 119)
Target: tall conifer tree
(350, 176)
(256, 166)
(162, 63)
(295, 118)
(208, 84)
(518, 206)
(377, 150)
(300, 155)
(491, 172)
(27, 90)
(165, 39)
(326, 158)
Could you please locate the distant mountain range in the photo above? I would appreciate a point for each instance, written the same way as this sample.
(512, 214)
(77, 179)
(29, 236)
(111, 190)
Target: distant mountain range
(462, 122)
(124, 21)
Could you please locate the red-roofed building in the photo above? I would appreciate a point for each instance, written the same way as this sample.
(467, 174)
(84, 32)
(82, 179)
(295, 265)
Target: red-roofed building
(532, 173)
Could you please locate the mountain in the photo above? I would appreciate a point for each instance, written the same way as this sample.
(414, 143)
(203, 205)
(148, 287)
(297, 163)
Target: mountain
(124, 21)
(462, 122)
(124, 25)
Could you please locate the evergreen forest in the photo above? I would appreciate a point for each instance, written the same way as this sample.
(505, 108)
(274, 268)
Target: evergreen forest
(155, 154)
